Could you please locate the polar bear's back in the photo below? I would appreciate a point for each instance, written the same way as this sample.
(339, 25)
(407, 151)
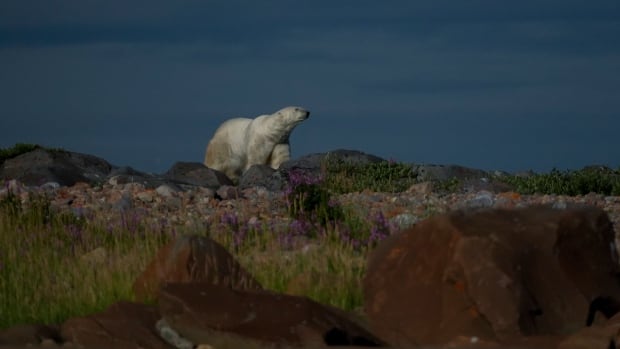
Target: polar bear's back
(233, 130)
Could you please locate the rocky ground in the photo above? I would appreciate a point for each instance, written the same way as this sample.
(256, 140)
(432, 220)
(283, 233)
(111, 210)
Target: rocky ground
(200, 205)
(190, 195)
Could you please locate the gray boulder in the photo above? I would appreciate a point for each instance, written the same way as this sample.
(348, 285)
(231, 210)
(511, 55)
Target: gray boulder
(431, 172)
(126, 174)
(467, 179)
(195, 173)
(66, 168)
(310, 165)
(262, 176)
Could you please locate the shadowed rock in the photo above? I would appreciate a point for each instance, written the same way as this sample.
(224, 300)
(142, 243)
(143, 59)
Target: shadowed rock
(190, 259)
(214, 315)
(29, 335)
(66, 168)
(494, 274)
(123, 325)
(263, 176)
(195, 173)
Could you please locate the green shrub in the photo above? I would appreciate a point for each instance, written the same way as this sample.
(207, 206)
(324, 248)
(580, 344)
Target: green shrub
(22, 148)
(581, 182)
(308, 199)
(386, 176)
(16, 150)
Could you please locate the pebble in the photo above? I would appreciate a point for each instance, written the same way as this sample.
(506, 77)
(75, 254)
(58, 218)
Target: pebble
(95, 257)
(171, 336)
(145, 196)
(482, 199)
(404, 220)
(166, 190)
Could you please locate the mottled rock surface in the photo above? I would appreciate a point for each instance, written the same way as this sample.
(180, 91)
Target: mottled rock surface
(499, 275)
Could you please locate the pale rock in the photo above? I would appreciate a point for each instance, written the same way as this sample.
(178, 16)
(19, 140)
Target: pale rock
(171, 336)
(404, 220)
(424, 188)
(50, 186)
(114, 181)
(95, 257)
(483, 199)
(166, 191)
(145, 196)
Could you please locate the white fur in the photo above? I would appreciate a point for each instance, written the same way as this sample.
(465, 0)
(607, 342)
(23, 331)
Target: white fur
(241, 142)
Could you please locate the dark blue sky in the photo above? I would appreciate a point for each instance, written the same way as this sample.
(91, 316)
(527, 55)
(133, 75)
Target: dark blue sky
(488, 84)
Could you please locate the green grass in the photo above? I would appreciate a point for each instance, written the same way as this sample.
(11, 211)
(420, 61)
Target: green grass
(44, 279)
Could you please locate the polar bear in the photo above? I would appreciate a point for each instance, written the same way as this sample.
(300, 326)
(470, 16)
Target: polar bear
(242, 142)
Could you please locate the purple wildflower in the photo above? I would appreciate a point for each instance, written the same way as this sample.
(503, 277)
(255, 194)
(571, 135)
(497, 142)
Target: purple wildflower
(240, 235)
(299, 177)
(230, 219)
(130, 222)
(300, 227)
(380, 230)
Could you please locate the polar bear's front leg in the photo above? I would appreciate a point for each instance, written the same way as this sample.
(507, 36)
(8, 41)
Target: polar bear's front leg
(258, 152)
(281, 153)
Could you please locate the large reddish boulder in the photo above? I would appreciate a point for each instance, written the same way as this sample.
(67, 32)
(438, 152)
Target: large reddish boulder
(123, 325)
(203, 313)
(497, 275)
(192, 259)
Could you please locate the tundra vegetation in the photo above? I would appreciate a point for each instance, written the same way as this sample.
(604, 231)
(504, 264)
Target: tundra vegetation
(44, 277)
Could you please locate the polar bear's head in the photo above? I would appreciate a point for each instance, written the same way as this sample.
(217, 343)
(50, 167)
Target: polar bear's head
(292, 115)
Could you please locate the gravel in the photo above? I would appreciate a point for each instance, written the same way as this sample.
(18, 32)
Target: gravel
(200, 204)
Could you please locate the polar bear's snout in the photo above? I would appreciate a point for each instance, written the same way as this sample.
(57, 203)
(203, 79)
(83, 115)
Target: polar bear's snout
(305, 114)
